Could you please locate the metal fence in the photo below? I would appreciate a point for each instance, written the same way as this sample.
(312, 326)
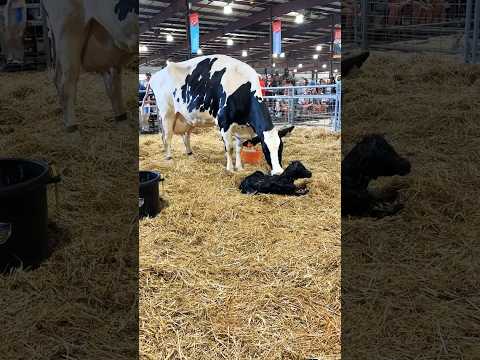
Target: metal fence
(435, 26)
(314, 105)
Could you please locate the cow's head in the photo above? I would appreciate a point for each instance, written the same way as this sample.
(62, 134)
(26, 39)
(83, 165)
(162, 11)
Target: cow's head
(296, 170)
(376, 157)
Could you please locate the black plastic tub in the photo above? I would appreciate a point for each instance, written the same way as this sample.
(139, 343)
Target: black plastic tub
(23, 213)
(149, 197)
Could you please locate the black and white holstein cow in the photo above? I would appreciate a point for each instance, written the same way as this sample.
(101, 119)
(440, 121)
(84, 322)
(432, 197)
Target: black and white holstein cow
(93, 36)
(216, 90)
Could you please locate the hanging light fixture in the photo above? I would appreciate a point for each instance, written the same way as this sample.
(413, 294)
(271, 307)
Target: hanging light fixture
(324, 66)
(282, 55)
(315, 56)
(275, 55)
(229, 42)
(300, 66)
(319, 48)
(199, 52)
(143, 48)
(169, 37)
(228, 10)
(299, 18)
(244, 53)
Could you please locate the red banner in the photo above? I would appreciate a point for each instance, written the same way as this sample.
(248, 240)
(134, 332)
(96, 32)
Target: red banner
(194, 19)
(277, 26)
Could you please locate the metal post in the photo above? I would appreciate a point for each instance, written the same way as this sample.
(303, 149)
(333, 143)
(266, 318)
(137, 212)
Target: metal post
(47, 46)
(270, 33)
(468, 28)
(476, 31)
(189, 44)
(364, 8)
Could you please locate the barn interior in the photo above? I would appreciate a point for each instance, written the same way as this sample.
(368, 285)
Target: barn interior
(229, 275)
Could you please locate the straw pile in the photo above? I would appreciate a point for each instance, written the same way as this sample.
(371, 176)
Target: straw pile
(410, 283)
(230, 276)
(81, 303)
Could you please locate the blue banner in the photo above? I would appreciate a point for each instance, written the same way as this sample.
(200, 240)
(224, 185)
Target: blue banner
(194, 33)
(277, 37)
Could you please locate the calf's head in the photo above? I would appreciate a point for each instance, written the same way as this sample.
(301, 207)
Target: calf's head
(375, 157)
(296, 170)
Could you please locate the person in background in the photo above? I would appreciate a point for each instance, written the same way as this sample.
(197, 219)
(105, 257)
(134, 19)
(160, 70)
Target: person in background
(262, 85)
(148, 76)
(14, 19)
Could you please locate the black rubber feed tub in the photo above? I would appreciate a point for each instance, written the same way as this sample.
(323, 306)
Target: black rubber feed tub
(149, 197)
(23, 213)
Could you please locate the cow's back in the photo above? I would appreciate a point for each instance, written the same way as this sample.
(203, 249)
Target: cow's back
(198, 88)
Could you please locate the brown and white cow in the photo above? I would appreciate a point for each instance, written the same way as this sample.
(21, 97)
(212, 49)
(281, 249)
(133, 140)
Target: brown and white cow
(91, 36)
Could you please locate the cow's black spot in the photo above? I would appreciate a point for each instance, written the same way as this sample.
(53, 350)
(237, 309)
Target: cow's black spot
(178, 99)
(175, 92)
(124, 7)
(202, 91)
(244, 108)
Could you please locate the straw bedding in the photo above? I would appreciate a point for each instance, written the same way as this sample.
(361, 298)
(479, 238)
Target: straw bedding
(230, 276)
(81, 303)
(410, 282)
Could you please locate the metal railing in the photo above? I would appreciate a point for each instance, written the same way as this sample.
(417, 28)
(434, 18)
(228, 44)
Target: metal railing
(314, 105)
(427, 26)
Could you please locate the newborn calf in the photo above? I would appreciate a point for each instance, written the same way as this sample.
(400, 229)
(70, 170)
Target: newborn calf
(369, 159)
(282, 184)
(350, 63)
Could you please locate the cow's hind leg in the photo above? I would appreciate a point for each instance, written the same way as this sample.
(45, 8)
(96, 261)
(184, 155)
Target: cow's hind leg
(186, 141)
(168, 122)
(67, 73)
(113, 85)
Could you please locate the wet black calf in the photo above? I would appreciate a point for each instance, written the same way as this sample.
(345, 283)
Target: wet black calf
(369, 159)
(282, 184)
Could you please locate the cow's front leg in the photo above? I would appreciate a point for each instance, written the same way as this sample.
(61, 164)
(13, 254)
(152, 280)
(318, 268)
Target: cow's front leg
(228, 141)
(238, 154)
(186, 141)
(113, 86)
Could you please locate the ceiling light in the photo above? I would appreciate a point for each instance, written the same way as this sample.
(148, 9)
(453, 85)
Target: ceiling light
(229, 42)
(282, 55)
(228, 9)
(324, 66)
(316, 70)
(294, 70)
(300, 66)
(199, 52)
(143, 48)
(299, 19)
(244, 53)
(275, 55)
(315, 56)
(335, 71)
(319, 48)
(274, 64)
(169, 37)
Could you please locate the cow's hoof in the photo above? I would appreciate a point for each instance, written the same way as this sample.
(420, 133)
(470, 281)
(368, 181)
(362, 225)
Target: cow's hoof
(71, 128)
(168, 158)
(190, 153)
(121, 117)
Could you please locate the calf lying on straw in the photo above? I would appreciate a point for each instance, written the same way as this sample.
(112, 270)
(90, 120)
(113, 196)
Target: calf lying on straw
(351, 63)
(282, 184)
(369, 159)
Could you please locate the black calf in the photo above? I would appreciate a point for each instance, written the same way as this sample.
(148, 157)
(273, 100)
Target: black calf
(353, 62)
(283, 184)
(369, 159)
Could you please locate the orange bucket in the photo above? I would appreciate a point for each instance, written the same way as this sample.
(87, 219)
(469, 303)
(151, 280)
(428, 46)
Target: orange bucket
(251, 155)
